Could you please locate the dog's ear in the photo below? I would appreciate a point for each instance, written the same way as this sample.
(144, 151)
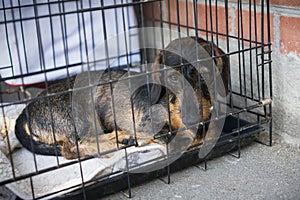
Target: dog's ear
(222, 63)
(156, 87)
(155, 93)
(221, 60)
(156, 75)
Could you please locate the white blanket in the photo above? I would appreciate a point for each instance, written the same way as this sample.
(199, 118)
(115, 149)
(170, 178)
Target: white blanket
(59, 178)
(30, 45)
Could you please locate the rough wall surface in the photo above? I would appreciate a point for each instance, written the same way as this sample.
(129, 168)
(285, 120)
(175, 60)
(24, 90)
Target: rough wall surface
(286, 70)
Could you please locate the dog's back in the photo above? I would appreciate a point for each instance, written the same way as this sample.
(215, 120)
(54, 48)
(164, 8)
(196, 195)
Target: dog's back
(47, 122)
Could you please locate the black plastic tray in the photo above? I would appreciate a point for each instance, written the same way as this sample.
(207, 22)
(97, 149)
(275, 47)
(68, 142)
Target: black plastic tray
(229, 141)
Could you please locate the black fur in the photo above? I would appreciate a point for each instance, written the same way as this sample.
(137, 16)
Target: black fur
(32, 145)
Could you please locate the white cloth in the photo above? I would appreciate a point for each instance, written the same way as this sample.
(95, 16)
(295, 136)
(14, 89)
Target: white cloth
(30, 45)
(65, 177)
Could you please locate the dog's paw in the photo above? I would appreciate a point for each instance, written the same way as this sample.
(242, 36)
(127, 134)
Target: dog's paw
(128, 141)
(180, 144)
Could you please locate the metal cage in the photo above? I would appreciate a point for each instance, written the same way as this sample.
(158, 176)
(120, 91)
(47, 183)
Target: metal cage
(49, 42)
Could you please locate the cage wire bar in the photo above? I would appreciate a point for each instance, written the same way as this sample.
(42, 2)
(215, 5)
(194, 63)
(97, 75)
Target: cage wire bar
(249, 105)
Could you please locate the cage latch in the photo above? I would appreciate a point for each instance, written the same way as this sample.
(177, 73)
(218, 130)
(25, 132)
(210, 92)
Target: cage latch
(265, 102)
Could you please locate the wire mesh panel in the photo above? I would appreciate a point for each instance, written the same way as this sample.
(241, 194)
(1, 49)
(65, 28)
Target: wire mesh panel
(99, 96)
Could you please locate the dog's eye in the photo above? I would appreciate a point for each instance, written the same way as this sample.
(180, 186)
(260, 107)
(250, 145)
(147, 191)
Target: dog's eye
(174, 78)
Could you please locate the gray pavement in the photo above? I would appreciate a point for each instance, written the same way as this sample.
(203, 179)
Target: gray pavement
(262, 172)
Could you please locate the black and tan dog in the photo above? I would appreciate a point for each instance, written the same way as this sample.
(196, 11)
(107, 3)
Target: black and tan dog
(196, 59)
(49, 126)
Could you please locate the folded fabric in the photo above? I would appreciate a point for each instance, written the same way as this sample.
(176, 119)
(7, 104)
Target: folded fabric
(55, 181)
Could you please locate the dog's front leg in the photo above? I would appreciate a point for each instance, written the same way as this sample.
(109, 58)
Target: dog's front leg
(103, 145)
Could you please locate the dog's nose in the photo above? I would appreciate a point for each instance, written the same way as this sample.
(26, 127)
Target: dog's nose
(190, 118)
(190, 110)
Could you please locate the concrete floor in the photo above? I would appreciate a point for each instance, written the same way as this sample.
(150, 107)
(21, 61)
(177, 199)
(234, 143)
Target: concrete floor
(262, 172)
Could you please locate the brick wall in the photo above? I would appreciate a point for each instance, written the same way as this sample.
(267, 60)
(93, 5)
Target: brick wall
(285, 28)
(284, 36)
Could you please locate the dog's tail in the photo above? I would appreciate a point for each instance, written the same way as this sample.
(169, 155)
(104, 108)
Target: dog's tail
(25, 137)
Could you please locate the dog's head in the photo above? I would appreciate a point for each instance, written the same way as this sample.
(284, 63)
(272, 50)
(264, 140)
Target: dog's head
(191, 63)
(192, 58)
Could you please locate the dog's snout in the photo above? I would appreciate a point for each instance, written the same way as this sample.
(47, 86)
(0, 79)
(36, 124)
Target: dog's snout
(190, 111)
(191, 118)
